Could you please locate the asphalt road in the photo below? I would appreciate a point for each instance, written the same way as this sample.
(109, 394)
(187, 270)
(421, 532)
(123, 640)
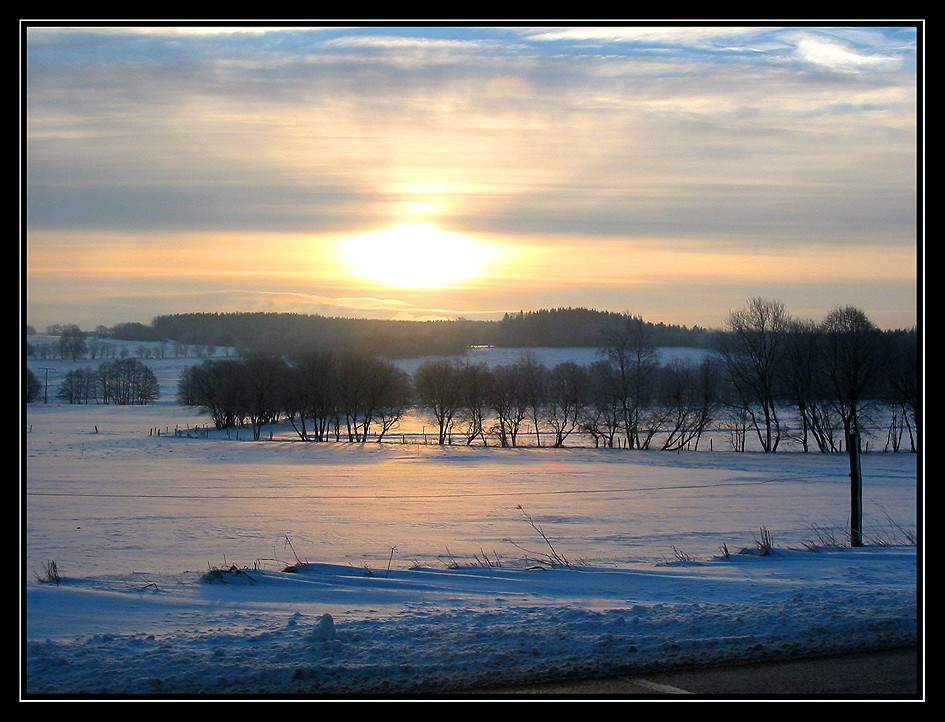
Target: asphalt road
(888, 675)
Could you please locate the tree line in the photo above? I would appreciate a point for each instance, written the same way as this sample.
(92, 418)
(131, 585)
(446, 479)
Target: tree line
(323, 395)
(292, 334)
(71, 343)
(769, 377)
(837, 377)
(121, 381)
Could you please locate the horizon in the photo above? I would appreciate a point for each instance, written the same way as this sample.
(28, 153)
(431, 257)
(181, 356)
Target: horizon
(429, 173)
(690, 327)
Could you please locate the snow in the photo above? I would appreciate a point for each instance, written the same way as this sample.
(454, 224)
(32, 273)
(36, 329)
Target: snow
(196, 565)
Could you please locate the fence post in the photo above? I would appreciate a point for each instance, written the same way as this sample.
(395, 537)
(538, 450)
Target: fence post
(856, 491)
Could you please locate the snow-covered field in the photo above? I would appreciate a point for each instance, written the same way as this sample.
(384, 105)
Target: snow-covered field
(422, 570)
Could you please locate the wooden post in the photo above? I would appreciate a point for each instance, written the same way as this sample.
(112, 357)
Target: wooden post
(856, 491)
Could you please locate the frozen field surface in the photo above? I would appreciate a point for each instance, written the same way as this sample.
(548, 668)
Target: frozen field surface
(417, 569)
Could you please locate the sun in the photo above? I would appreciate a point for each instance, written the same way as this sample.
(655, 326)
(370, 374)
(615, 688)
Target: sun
(416, 255)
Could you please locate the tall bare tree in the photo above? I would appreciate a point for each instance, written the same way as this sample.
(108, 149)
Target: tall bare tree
(476, 380)
(752, 350)
(629, 347)
(603, 412)
(568, 391)
(903, 379)
(72, 343)
(852, 364)
(440, 390)
(689, 397)
(508, 403)
(260, 391)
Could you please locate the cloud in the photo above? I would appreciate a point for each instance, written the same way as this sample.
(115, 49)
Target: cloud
(669, 34)
(169, 31)
(541, 137)
(841, 58)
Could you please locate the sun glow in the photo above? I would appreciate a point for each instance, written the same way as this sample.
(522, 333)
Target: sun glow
(416, 255)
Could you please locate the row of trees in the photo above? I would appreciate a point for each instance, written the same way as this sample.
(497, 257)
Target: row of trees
(291, 334)
(836, 376)
(770, 376)
(122, 382)
(352, 396)
(73, 344)
(550, 404)
(323, 395)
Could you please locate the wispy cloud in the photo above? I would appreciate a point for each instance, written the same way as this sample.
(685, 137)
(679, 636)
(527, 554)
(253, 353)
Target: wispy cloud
(670, 34)
(729, 138)
(841, 58)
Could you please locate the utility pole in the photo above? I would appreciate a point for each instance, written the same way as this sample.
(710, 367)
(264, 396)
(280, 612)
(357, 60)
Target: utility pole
(46, 386)
(856, 491)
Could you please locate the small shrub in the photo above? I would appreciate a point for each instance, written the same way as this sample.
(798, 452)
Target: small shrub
(826, 538)
(553, 558)
(479, 560)
(898, 535)
(681, 556)
(485, 561)
(234, 573)
(450, 563)
(50, 573)
(765, 543)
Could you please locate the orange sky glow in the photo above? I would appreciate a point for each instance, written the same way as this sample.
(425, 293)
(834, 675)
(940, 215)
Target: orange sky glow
(438, 173)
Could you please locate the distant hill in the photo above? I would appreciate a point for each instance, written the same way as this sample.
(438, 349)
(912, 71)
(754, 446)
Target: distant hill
(287, 333)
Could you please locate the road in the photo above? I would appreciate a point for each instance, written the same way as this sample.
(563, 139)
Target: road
(894, 675)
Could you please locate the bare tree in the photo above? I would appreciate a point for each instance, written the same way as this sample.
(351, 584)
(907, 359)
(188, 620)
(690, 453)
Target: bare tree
(852, 364)
(260, 391)
(630, 349)
(72, 344)
(127, 382)
(690, 396)
(80, 386)
(903, 380)
(353, 381)
(393, 397)
(752, 349)
(372, 391)
(476, 380)
(292, 401)
(32, 386)
(213, 386)
(316, 376)
(533, 387)
(802, 380)
(439, 389)
(508, 403)
(603, 412)
(568, 390)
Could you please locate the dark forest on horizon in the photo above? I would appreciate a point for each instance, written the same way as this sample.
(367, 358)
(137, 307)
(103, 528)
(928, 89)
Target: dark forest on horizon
(292, 332)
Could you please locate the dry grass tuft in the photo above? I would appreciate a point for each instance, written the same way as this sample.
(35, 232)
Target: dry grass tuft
(50, 573)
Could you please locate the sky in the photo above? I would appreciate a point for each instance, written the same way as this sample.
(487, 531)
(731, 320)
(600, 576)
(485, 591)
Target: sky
(416, 569)
(442, 172)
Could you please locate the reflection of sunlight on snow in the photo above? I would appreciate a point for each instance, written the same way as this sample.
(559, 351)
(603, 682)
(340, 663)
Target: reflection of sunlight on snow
(167, 502)
(173, 503)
